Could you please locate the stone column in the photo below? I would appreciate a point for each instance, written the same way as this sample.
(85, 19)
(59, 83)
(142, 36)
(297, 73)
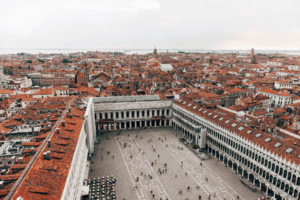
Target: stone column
(130, 124)
(135, 123)
(125, 125)
(160, 122)
(260, 184)
(109, 126)
(145, 123)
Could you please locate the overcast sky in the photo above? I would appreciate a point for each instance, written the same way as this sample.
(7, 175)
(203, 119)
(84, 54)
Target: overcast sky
(180, 24)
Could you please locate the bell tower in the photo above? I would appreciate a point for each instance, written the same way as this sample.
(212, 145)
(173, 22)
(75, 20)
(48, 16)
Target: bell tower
(155, 53)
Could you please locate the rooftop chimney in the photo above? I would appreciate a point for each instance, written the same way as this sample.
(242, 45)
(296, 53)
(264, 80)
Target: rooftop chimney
(49, 143)
(63, 123)
(47, 155)
(21, 160)
(57, 130)
(13, 160)
(32, 150)
(69, 110)
(1, 184)
(71, 116)
(41, 117)
(48, 117)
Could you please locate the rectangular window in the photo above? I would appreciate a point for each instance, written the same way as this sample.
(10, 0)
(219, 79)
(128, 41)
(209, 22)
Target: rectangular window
(157, 112)
(168, 112)
(122, 114)
(163, 112)
(137, 113)
(152, 112)
(132, 113)
(127, 114)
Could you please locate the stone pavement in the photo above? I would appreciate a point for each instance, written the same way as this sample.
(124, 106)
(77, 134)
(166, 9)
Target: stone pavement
(222, 182)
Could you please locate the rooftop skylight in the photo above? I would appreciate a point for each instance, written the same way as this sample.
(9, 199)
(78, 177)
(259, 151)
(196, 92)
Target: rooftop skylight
(278, 144)
(221, 119)
(180, 100)
(268, 140)
(215, 116)
(200, 109)
(289, 150)
(249, 132)
(241, 128)
(189, 105)
(234, 125)
(227, 121)
(184, 102)
(258, 135)
(205, 111)
(209, 114)
(195, 107)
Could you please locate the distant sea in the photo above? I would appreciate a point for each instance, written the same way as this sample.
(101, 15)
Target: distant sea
(142, 51)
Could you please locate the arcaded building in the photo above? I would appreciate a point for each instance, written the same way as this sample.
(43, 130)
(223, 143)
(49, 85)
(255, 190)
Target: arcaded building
(127, 112)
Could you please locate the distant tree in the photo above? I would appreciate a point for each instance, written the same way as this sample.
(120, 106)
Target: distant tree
(21, 54)
(40, 60)
(65, 60)
(28, 61)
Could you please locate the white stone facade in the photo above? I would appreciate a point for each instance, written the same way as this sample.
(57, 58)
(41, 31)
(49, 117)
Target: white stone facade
(72, 189)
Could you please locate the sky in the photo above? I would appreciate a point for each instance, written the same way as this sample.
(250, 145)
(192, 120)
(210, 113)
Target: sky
(145, 24)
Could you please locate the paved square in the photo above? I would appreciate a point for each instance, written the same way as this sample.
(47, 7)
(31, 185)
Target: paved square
(129, 163)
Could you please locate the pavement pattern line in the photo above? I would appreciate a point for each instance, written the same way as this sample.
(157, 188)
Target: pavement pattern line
(134, 164)
(191, 163)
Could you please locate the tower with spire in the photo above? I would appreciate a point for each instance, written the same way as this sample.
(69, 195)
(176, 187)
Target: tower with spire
(155, 53)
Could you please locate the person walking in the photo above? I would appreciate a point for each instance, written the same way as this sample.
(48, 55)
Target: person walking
(158, 156)
(113, 157)
(185, 173)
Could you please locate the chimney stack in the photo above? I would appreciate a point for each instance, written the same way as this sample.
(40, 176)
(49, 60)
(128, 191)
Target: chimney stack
(41, 117)
(48, 117)
(32, 129)
(21, 160)
(69, 110)
(57, 130)
(1, 184)
(47, 155)
(32, 150)
(13, 160)
(63, 123)
(71, 116)
(49, 143)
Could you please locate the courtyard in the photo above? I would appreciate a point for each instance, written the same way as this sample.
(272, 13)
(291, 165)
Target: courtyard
(132, 153)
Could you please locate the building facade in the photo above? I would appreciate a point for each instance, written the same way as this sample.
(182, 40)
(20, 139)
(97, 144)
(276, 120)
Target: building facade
(130, 112)
(262, 160)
